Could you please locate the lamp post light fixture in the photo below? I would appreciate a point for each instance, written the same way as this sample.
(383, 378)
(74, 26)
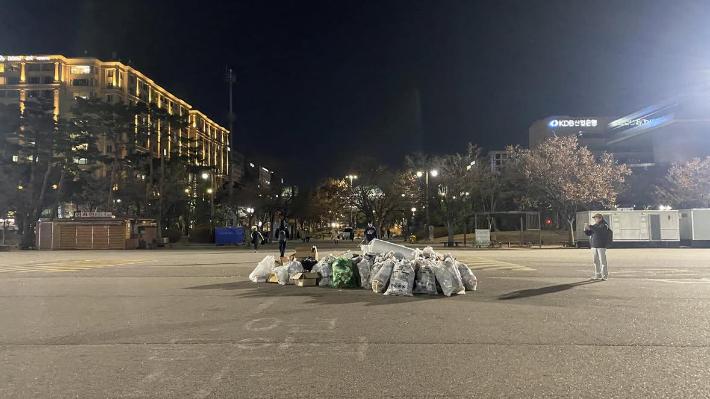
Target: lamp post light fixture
(352, 193)
(426, 174)
(210, 191)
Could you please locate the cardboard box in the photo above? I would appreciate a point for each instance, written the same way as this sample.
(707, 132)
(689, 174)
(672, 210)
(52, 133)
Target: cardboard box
(272, 278)
(305, 252)
(305, 279)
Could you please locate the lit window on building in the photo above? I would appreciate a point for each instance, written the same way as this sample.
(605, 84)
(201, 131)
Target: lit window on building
(2, 79)
(15, 158)
(81, 82)
(80, 70)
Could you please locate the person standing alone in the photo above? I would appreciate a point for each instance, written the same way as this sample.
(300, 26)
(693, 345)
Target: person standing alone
(370, 233)
(256, 238)
(283, 236)
(599, 239)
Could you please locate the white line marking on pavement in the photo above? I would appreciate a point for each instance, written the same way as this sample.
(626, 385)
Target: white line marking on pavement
(274, 323)
(362, 350)
(262, 306)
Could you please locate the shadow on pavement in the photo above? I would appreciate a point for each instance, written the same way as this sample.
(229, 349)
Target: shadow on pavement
(544, 290)
(318, 295)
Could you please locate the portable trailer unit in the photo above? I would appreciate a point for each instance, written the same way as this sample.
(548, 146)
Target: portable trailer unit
(646, 228)
(695, 227)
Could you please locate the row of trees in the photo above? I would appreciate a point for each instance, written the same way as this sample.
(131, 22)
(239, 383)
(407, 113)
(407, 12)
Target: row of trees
(559, 178)
(101, 157)
(98, 157)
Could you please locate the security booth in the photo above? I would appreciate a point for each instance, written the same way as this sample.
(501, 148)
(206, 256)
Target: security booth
(86, 230)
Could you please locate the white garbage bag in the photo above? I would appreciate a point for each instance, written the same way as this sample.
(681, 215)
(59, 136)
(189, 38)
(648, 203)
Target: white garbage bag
(262, 271)
(382, 277)
(425, 282)
(282, 275)
(365, 268)
(467, 276)
(449, 278)
(450, 265)
(402, 279)
(325, 268)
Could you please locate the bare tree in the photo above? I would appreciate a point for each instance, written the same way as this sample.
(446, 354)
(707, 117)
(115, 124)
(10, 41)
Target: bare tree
(570, 178)
(688, 184)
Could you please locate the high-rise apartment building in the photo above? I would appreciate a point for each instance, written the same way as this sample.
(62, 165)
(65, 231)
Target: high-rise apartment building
(63, 79)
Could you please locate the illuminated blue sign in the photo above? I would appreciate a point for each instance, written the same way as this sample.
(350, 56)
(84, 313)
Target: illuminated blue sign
(555, 123)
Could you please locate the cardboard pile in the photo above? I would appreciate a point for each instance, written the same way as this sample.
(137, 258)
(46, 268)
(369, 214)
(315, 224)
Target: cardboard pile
(304, 253)
(305, 279)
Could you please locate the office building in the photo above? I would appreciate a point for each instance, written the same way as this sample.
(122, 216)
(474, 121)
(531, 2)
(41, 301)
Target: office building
(63, 79)
(674, 130)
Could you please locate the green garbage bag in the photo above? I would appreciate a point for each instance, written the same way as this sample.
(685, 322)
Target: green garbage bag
(343, 273)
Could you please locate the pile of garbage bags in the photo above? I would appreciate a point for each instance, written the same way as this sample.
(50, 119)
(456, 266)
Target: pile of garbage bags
(384, 273)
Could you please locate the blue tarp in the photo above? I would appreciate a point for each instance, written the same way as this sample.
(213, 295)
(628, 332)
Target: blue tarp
(228, 235)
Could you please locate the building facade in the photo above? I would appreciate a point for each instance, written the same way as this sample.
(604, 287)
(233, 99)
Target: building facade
(674, 130)
(63, 80)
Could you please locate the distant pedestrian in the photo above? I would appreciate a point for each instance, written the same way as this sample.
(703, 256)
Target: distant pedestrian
(370, 232)
(599, 239)
(334, 237)
(256, 238)
(283, 236)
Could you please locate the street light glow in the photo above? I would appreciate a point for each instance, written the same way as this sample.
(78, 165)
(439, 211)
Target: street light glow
(414, 209)
(205, 176)
(434, 173)
(209, 191)
(420, 174)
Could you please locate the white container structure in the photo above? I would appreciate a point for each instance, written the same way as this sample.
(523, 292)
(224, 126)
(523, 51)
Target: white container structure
(635, 228)
(695, 227)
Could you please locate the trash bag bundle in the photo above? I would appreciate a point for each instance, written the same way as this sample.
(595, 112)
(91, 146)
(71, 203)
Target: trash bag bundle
(425, 282)
(284, 273)
(448, 277)
(262, 271)
(343, 273)
(365, 268)
(325, 268)
(382, 276)
(402, 279)
(308, 263)
(467, 277)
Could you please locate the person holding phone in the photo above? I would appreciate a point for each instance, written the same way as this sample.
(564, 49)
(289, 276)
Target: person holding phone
(598, 239)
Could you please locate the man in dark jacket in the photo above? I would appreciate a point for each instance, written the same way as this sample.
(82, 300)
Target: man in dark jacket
(370, 233)
(598, 239)
(283, 237)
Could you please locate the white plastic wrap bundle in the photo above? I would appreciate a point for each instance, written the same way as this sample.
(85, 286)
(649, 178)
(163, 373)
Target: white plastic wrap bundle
(402, 279)
(262, 270)
(365, 268)
(467, 277)
(382, 277)
(325, 268)
(425, 282)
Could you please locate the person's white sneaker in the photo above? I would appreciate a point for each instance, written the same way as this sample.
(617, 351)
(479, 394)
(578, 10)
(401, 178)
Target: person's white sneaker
(605, 278)
(595, 278)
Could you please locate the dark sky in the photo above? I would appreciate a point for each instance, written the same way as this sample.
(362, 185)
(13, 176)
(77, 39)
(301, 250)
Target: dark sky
(322, 82)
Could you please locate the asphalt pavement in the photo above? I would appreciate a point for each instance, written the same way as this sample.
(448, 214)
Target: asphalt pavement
(188, 324)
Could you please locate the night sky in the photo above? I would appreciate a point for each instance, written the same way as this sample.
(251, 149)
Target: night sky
(320, 83)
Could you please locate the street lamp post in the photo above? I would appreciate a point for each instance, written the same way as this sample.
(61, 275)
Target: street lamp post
(433, 173)
(352, 223)
(210, 191)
